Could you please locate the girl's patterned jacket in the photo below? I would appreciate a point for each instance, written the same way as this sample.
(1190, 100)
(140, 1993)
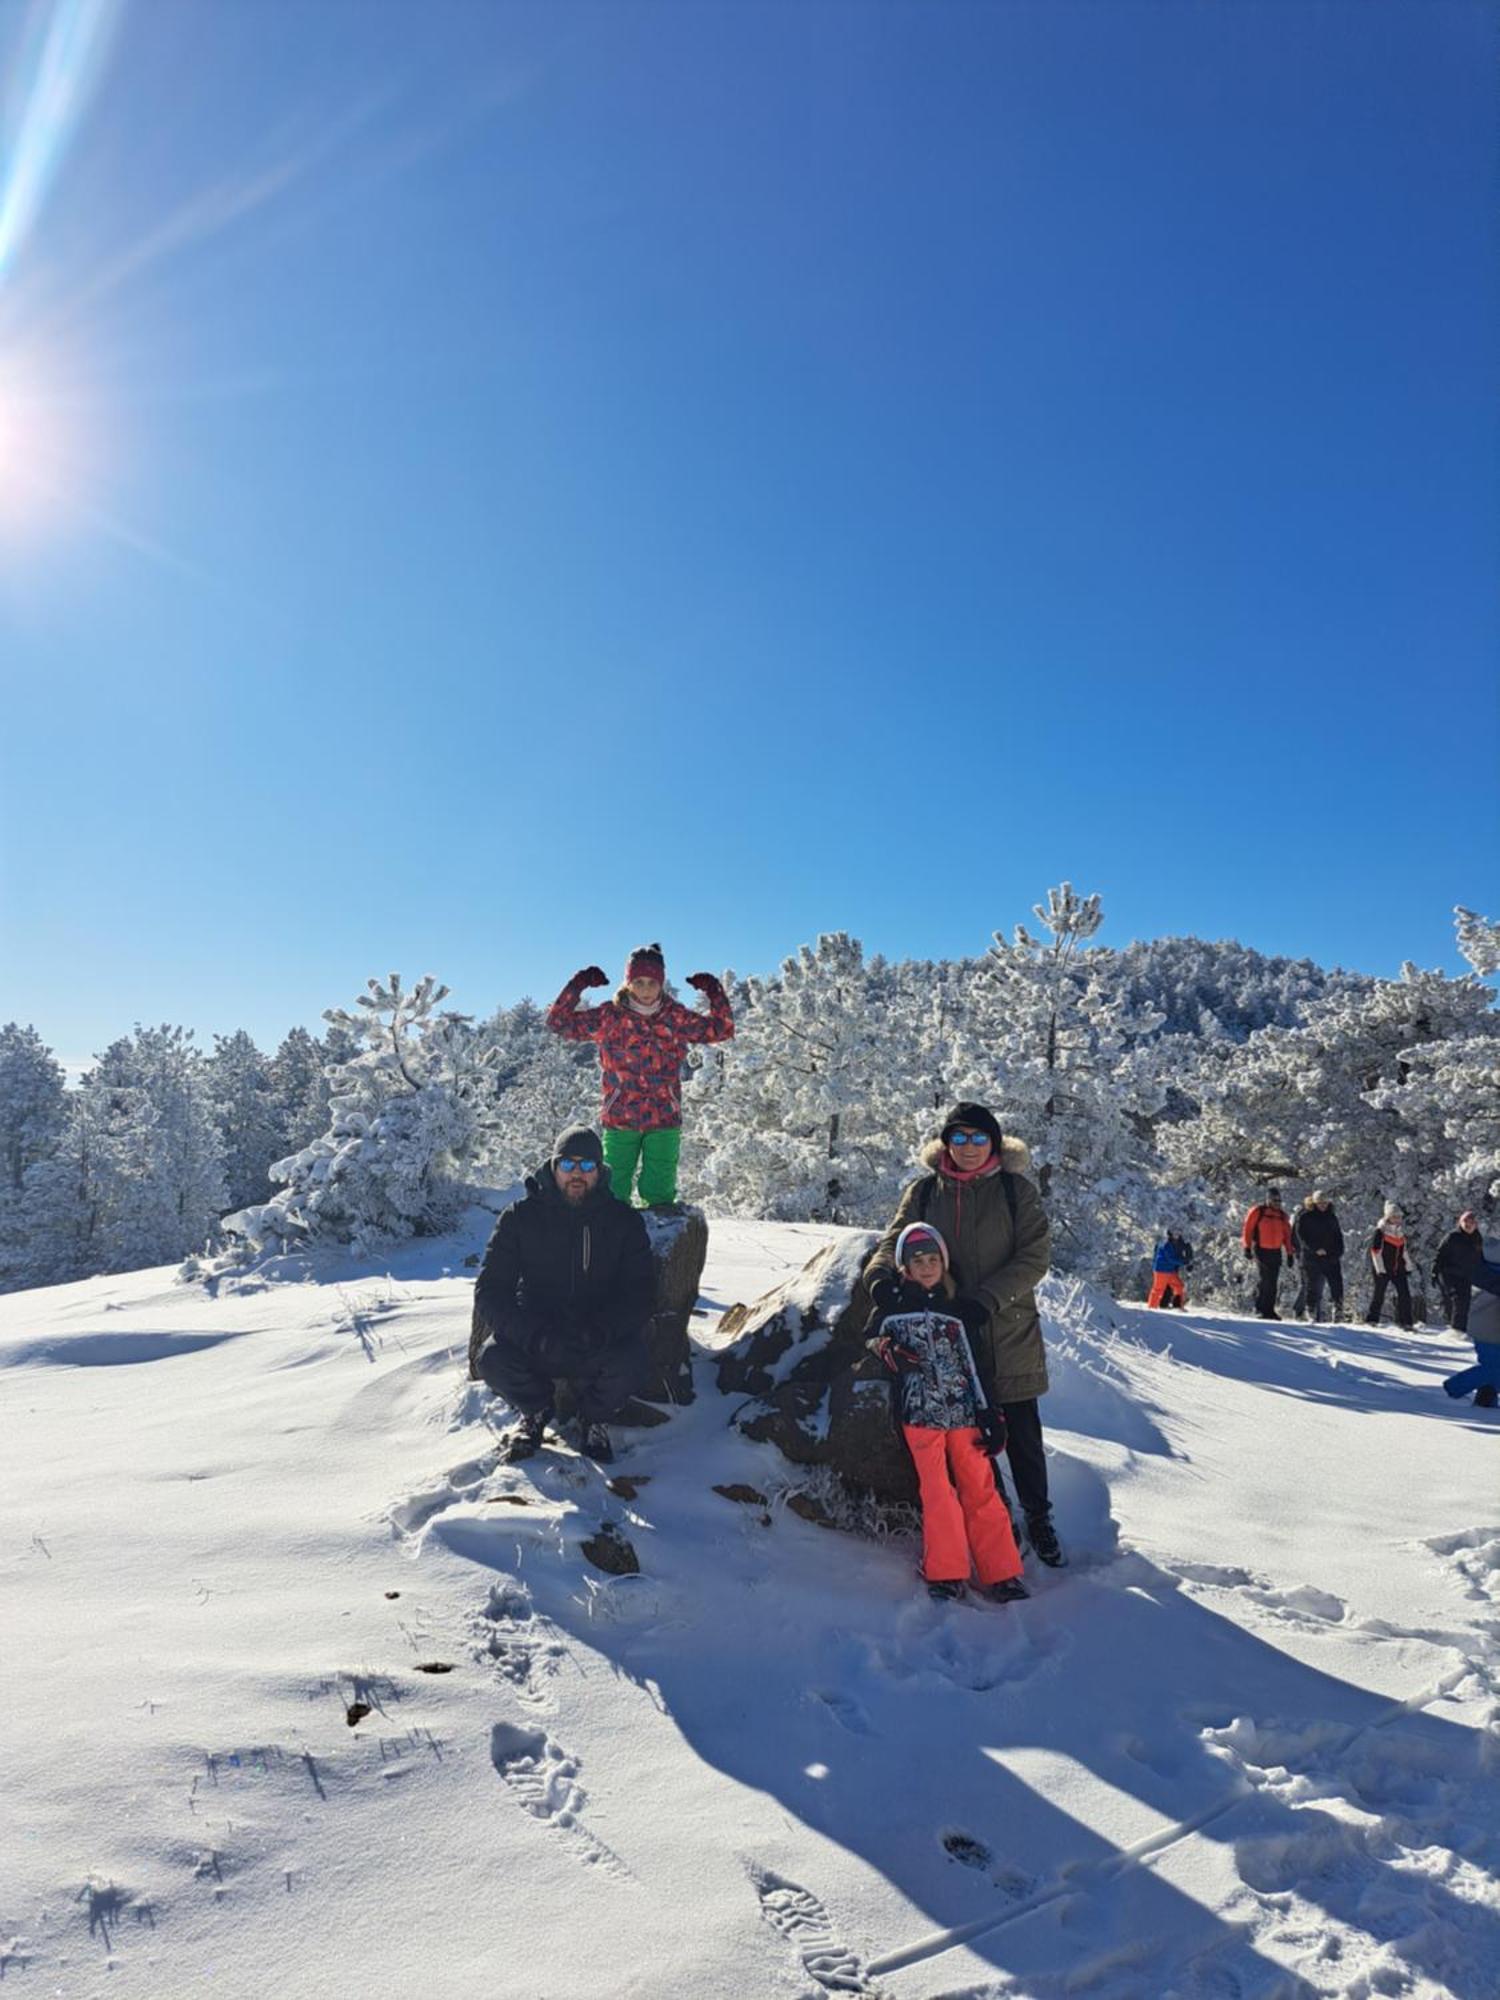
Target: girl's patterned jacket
(641, 1055)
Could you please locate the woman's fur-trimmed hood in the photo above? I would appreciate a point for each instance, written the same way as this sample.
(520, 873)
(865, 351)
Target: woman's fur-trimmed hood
(1015, 1154)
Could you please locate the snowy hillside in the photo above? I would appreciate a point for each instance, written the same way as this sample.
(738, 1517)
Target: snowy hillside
(301, 1694)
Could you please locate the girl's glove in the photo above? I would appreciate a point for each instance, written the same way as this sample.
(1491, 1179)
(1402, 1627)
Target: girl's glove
(591, 975)
(992, 1431)
(973, 1312)
(704, 981)
(900, 1360)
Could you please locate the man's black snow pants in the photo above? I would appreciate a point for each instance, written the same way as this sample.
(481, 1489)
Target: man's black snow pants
(1456, 1293)
(1270, 1274)
(600, 1380)
(1403, 1299)
(1026, 1457)
(1321, 1271)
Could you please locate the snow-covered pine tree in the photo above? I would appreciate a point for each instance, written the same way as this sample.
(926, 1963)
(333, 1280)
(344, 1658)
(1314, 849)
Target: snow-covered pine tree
(33, 1116)
(538, 1085)
(140, 1176)
(1066, 1059)
(1478, 940)
(399, 1144)
(823, 1093)
(249, 1117)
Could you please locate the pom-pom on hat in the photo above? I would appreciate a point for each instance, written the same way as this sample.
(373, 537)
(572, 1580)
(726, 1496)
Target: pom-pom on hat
(974, 1118)
(919, 1236)
(645, 962)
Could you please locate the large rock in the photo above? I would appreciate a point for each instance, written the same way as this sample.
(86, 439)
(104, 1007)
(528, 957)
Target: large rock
(679, 1245)
(814, 1391)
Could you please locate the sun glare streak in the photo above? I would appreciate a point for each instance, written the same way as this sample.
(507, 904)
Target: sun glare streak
(62, 55)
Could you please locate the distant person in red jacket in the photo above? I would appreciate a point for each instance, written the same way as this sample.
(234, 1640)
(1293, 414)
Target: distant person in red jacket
(1391, 1265)
(1267, 1237)
(643, 1036)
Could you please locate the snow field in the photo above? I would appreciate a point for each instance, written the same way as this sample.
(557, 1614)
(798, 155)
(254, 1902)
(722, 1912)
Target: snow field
(1247, 1744)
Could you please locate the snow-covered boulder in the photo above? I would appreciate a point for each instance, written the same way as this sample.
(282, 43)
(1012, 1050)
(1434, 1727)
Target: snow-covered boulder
(815, 1393)
(679, 1246)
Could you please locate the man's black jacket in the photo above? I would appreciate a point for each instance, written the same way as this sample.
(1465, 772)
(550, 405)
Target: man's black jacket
(568, 1280)
(1461, 1251)
(1318, 1229)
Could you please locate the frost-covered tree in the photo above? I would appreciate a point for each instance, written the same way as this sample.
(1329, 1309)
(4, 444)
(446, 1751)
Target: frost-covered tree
(138, 1177)
(249, 1117)
(33, 1116)
(815, 1107)
(1478, 940)
(537, 1085)
(399, 1143)
(1062, 1051)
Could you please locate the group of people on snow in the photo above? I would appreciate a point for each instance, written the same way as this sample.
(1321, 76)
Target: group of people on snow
(1466, 1271)
(1312, 1245)
(567, 1284)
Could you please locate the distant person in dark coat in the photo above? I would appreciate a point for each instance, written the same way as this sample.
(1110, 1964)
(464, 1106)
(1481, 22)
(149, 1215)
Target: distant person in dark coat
(1453, 1269)
(1320, 1247)
(1483, 1379)
(1392, 1267)
(563, 1297)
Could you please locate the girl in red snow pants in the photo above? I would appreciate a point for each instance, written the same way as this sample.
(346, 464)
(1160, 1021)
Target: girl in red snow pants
(965, 1524)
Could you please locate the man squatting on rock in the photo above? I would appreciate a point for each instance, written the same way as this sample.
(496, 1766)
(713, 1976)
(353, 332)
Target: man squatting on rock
(563, 1297)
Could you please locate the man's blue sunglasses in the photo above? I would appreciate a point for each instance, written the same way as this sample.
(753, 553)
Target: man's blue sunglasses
(578, 1166)
(968, 1138)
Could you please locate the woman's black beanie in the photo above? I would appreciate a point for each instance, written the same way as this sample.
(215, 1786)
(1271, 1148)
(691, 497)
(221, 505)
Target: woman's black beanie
(977, 1118)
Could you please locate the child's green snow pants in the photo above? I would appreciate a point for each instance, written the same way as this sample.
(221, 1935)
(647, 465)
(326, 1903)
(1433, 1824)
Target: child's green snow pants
(655, 1152)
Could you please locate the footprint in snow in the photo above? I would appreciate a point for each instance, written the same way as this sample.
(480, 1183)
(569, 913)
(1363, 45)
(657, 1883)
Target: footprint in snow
(544, 1780)
(1475, 1555)
(511, 1639)
(797, 1915)
(844, 1709)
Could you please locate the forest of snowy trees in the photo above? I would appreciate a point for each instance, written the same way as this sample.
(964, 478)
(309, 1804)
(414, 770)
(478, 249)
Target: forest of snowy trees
(1165, 1083)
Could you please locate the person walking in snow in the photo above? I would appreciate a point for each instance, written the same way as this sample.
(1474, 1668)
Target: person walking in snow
(976, 1195)
(1320, 1250)
(1453, 1268)
(1389, 1262)
(1170, 1265)
(562, 1299)
(1267, 1237)
(643, 1036)
(1483, 1379)
(921, 1334)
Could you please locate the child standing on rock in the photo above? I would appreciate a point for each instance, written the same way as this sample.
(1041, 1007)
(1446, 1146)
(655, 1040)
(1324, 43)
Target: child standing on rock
(643, 1036)
(920, 1335)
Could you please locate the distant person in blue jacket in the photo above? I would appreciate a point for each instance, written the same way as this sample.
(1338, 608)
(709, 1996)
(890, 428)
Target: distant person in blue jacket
(1169, 1267)
(1482, 1381)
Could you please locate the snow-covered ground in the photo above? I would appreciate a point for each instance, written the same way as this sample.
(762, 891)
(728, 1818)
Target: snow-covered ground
(1248, 1744)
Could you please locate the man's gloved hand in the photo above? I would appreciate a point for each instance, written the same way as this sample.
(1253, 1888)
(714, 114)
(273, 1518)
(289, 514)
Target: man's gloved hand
(705, 982)
(1249, 1253)
(885, 1293)
(591, 975)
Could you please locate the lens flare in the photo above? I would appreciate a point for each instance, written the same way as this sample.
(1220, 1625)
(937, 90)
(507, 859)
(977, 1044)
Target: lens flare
(62, 54)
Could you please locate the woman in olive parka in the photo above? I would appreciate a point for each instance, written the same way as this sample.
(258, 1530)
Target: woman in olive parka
(976, 1194)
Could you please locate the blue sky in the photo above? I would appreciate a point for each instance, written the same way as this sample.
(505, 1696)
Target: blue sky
(522, 480)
